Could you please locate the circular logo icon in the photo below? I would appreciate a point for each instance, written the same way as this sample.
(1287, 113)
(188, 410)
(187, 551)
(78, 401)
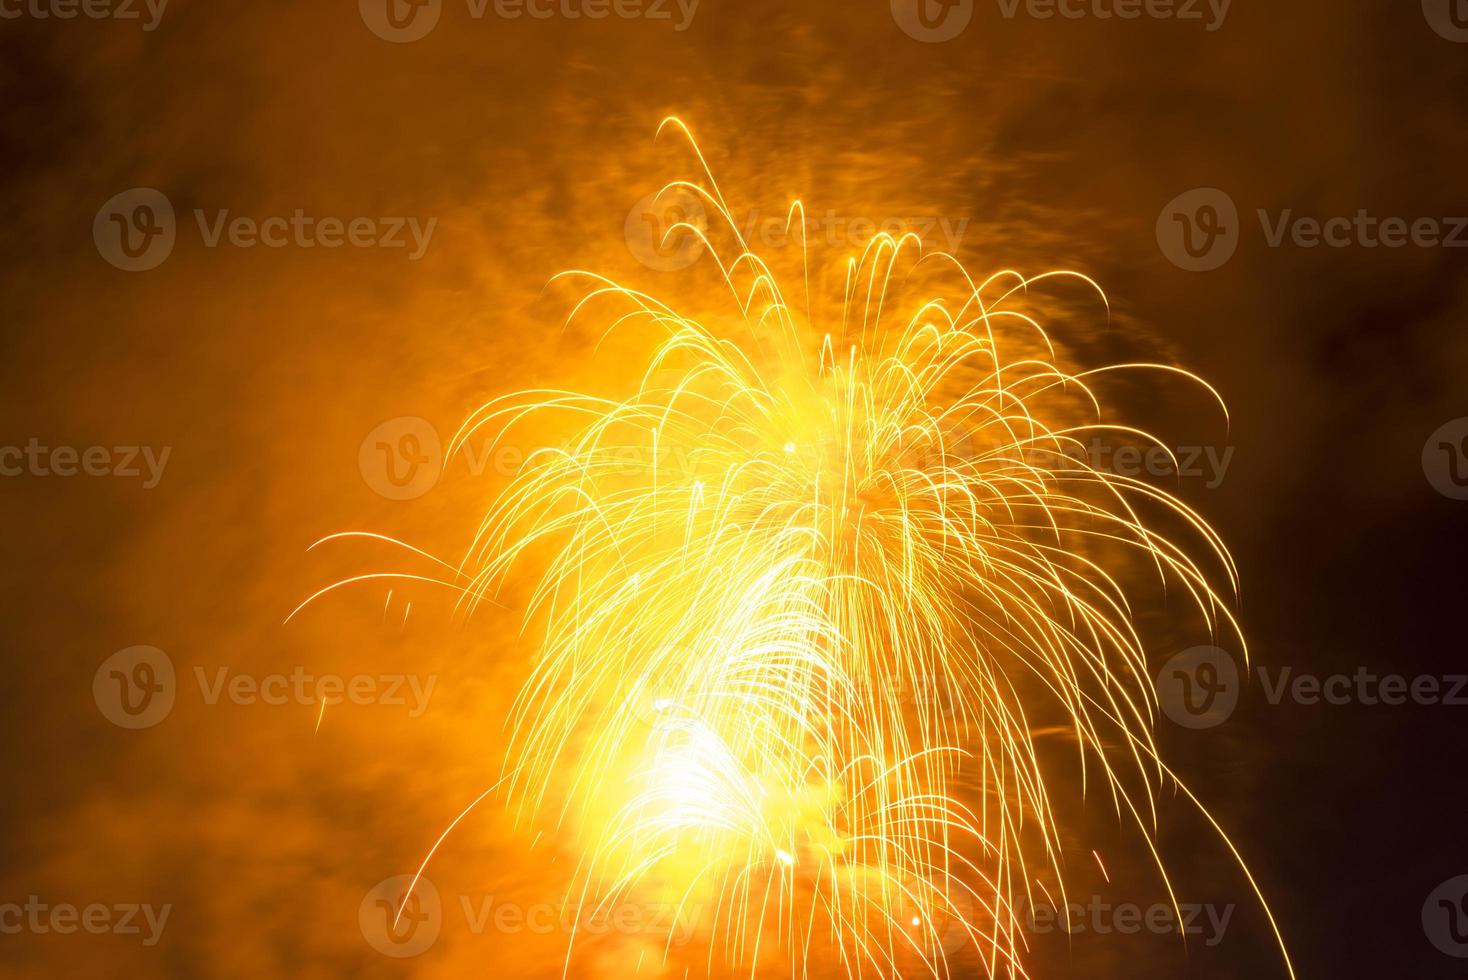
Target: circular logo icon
(1445, 917)
(1445, 459)
(400, 922)
(400, 21)
(1199, 688)
(135, 230)
(938, 927)
(653, 702)
(1199, 230)
(135, 688)
(932, 21)
(1449, 18)
(651, 707)
(658, 229)
(402, 458)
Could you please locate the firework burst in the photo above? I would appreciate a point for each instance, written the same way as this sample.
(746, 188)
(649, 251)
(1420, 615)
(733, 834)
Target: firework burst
(802, 596)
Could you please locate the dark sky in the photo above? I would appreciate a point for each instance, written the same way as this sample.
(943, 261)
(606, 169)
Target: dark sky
(1038, 142)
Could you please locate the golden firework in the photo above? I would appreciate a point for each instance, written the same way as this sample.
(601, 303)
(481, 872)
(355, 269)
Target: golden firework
(802, 598)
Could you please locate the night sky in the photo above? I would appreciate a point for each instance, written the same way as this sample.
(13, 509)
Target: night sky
(407, 202)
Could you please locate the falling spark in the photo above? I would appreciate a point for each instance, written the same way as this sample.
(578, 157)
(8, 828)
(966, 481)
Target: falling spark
(320, 715)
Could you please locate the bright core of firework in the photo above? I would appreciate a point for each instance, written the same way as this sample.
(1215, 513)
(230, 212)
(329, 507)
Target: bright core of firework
(799, 596)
